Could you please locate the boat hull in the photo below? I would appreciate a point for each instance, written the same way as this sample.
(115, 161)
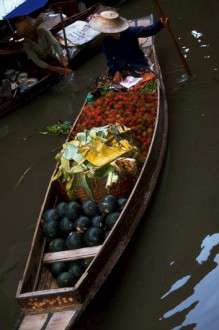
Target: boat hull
(115, 244)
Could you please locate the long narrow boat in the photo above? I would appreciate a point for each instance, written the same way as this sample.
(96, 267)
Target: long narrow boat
(46, 80)
(44, 305)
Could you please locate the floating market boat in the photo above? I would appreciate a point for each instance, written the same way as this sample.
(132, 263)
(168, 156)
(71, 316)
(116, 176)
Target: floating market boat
(39, 80)
(44, 303)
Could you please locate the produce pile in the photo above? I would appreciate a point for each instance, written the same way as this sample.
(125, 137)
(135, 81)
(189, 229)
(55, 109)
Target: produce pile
(101, 156)
(75, 225)
(135, 108)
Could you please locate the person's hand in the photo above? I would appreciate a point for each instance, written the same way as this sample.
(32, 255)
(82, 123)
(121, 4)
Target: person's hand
(117, 77)
(164, 20)
(64, 60)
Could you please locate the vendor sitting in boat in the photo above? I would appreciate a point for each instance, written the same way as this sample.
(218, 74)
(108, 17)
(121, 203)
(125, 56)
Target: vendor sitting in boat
(120, 45)
(41, 46)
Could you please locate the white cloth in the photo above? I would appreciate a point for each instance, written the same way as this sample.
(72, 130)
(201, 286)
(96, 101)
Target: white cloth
(79, 33)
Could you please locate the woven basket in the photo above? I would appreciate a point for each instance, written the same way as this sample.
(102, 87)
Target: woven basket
(98, 187)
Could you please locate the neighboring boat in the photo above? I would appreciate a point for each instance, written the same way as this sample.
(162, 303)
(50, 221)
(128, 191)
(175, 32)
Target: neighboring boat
(44, 305)
(45, 80)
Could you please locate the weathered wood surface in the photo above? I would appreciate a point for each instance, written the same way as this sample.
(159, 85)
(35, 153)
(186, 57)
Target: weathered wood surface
(33, 322)
(71, 254)
(60, 320)
(138, 202)
(48, 321)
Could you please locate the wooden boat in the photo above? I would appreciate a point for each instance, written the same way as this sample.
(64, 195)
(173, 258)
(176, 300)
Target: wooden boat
(44, 305)
(45, 80)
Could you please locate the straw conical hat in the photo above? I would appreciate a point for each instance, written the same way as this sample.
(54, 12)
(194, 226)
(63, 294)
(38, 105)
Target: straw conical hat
(108, 21)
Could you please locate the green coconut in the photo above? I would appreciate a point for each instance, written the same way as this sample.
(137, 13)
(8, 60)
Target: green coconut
(97, 221)
(50, 215)
(62, 208)
(65, 279)
(93, 236)
(111, 220)
(108, 204)
(76, 269)
(73, 210)
(83, 223)
(66, 226)
(57, 245)
(122, 202)
(90, 208)
(57, 268)
(51, 229)
(74, 241)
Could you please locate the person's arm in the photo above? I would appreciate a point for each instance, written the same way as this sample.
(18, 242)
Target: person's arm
(51, 40)
(146, 31)
(111, 58)
(31, 54)
(42, 64)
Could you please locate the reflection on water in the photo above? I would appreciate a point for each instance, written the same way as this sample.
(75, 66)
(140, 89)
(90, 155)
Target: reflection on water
(177, 285)
(202, 304)
(196, 34)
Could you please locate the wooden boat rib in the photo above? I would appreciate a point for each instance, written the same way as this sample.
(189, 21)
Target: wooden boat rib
(49, 79)
(57, 308)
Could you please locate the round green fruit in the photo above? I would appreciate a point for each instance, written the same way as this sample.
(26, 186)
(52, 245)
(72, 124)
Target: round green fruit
(75, 269)
(57, 245)
(66, 226)
(108, 204)
(73, 210)
(111, 220)
(51, 229)
(97, 221)
(62, 208)
(90, 208)
(122, 202)
(86, 262)
(93, 236)
(74, 241)
(83, 223)
(50, 215)
(65, 280)
(57, 268)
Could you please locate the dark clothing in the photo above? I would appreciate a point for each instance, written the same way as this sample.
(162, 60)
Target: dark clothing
(125, 53)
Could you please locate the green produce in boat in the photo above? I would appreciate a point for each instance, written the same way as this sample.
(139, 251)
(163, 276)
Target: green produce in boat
(66, 226)
(76, 269)
(121, 202)
(50, 215)
(85, 262)
(111, 220)
(51, 229)
(62, 209)
(74, 210)
(90, 208)
(65, 279)
(83, 223)
(57, 268)
(108, 204)
(97, 221)
(93, 236)
(74, 241)
(57, 245)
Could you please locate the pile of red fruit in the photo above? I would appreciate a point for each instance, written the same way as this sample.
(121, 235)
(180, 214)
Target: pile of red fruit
(135, 109)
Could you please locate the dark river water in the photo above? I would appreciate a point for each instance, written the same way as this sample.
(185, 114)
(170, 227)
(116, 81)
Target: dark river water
(169, 276)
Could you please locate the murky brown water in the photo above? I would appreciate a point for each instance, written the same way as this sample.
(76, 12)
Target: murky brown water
(169, 276)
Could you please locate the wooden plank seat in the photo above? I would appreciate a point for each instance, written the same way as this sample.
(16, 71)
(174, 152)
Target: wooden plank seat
(71, 254)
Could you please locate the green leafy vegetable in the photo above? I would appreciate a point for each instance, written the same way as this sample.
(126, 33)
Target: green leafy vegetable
(61, 128)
